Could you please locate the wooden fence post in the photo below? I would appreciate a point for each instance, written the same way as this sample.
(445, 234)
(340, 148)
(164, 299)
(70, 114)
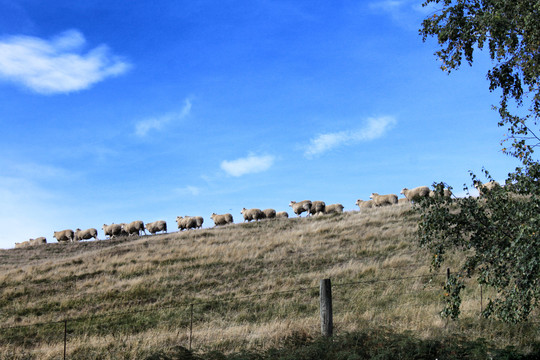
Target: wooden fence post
(481, 301)
(327, 322)
(65, 338)
(191, 327)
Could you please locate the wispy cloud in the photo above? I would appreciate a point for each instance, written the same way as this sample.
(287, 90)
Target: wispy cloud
(157, 123)
(248, 165)
(188, 190)
(404, 12)
(57, 65)
(373, 129)
(387, 5)
(30, 170)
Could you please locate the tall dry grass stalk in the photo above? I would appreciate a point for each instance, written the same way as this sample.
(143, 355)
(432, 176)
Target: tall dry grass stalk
(251, 285)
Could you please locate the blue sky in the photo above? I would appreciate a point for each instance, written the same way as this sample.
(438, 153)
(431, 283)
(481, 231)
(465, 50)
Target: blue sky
(117, 111)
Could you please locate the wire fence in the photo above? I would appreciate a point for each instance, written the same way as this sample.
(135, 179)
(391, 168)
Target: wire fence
(364, 301)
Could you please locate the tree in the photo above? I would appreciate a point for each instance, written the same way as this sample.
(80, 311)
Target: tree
(499, 237)
(499, 232)
(511, 30)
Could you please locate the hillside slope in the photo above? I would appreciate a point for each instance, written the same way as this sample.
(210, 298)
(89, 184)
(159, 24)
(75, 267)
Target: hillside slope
(247, 285)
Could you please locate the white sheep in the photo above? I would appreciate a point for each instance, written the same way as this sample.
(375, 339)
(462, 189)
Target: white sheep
(156, 226)
(446, 193)
(85, 234)
(365, 204)
(31, 242)
(252, 214)
(112, 230)
(403, 201)
(483, 188)
(186, 222)
(222, 219)
(64, 235)
(415, 194)
(282, 215)
(333, 208)
(300, 207)
(38, 241)
(134, 227)
(23, 244)
(269, 213)
(199, 220)
(317, 208)
(381, 200)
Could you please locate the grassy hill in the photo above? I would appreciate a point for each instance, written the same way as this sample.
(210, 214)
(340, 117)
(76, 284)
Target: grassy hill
(248, 286)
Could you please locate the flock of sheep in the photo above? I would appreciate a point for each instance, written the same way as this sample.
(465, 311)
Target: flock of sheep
(195, 222)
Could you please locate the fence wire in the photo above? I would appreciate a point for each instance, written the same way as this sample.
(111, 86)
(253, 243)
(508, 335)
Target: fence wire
(200, 311)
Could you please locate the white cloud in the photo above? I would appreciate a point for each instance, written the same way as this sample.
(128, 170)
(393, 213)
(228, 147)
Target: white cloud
(57, 65)
(188, 190)
(373, 129)
(247, 165)
(144, 126)
(36, 171)
(404, 12)
(387, 5)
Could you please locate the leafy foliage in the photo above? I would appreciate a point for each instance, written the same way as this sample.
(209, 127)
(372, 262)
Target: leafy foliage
(511, 31)
(499, 235)
(452, 299)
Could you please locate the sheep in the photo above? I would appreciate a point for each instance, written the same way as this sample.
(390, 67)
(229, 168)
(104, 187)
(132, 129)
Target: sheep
(282, 215)
(317, 207)
(85, 234)
(31, 242)
(23, 244)
(381, 200)
(365, 204)
(252, 214)
(222, 219)
(415, 194)
(134, 227)
(300, 207)
(333, 208)
(64, 235)
(156, 226)
(37, 241)
(482, 188)
(113, 230)
(446, 193)
(269, 213)
(404, 200)
(199, 220)
(186, 222)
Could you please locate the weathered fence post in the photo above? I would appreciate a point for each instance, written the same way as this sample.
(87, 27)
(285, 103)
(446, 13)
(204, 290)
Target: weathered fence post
(191, 327)
(65, 338)
(481, 300)
(327, 322)
(447, 282)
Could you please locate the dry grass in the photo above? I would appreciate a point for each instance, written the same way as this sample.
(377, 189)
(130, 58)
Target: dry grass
(252, 285)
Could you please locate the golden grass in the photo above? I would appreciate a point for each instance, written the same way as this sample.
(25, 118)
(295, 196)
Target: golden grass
(252, 285)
